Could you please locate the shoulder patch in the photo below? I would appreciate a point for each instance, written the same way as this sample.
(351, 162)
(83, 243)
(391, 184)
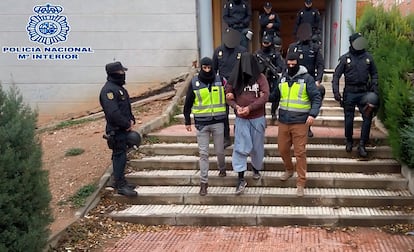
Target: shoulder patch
(110, 95)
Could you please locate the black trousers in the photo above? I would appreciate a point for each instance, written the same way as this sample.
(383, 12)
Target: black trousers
(350, 101)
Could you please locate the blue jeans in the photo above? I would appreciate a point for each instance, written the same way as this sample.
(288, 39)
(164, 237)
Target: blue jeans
(248, 140)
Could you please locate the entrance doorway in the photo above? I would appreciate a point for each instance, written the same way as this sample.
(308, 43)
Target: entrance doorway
(287, 11)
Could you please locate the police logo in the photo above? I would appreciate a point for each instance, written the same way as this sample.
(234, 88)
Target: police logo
(238, 56)
(367, 61)
(110, 95)
(301, 56)
(48, 27)
(348, 60)
(197, 83)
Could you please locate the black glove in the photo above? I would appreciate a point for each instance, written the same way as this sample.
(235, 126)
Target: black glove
(337, 97)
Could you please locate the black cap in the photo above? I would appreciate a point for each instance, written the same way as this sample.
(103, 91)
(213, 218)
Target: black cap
(292, 56)
(114, 67)
(357, 41)
(354, 36)
(308, 1)
(206, 61)
(266, 39)
(267, 5)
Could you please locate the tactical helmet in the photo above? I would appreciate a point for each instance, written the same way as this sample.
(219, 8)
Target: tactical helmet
(371, 98)
(133, 139)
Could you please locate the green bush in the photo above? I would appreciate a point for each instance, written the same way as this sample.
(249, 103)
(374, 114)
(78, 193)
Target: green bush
(389, 36)
(24, 194)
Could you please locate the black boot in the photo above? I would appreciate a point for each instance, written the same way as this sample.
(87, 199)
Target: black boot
(123, 189)
(348, 147)
(362, 151)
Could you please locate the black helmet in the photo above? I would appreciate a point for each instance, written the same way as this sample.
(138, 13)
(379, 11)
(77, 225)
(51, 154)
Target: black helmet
(133, 139)
(371, 98)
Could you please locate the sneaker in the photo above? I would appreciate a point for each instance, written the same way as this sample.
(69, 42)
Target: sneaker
(126, 191)
(300, 191)
(241, 186)
(257, 175)
(227, 143)
(348, 147)
(285, 176)
(310, 133)
(203, 189)
(222, 173)
(362, 151)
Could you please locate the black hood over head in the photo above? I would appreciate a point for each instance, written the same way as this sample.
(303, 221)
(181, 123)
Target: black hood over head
(245, 72)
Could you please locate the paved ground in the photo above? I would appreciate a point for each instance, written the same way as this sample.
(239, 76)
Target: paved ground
(289, 239)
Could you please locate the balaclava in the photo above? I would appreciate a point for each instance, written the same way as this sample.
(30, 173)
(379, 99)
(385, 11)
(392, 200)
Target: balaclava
(206, 77)
(293, 70)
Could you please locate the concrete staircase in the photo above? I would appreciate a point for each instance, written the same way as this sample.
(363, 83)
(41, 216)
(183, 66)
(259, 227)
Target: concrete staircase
(341, 189)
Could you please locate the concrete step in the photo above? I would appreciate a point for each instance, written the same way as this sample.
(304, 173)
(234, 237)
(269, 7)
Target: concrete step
(315, 164)
(324, 111)
(312, 150)
(268, 196)
(386, 181)
(322, 135)
(253, 215)
(330, 121)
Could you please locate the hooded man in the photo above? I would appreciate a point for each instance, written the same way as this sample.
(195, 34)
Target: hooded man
(300, 101)
(247, 93)
(116, 105)
(224, 58)
(361, 79)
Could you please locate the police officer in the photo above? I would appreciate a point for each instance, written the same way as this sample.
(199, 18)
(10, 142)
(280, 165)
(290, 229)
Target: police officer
(310, 56)
(300, 102)
(224, 58)
(269, 21)
(361, 81)
(116, 105)
(237, 15)
(309, 15)
(269, 57)
(206, 100)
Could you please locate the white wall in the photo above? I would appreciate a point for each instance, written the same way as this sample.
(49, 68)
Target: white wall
(156, 40)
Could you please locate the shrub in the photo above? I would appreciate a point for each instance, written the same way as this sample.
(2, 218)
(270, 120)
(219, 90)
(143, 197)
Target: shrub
(24, 193)
(388, 34)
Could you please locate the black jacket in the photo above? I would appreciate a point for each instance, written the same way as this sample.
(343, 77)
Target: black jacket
(116, 105)
(360, 73)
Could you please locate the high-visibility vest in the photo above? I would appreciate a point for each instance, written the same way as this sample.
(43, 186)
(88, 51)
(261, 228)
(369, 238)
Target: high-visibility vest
(206, 103)
(294, 98)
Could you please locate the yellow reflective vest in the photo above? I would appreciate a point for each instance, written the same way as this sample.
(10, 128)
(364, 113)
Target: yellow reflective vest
(294, 98)
(208, 104)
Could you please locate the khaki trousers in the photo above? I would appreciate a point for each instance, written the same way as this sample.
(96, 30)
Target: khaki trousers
(295, 134)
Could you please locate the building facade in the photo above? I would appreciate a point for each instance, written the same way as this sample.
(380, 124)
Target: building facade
(54, 52)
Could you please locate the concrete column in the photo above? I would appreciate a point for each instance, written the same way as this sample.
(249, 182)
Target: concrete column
(348, 13)
(327, 35)
(335, 27)
(205, 31)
